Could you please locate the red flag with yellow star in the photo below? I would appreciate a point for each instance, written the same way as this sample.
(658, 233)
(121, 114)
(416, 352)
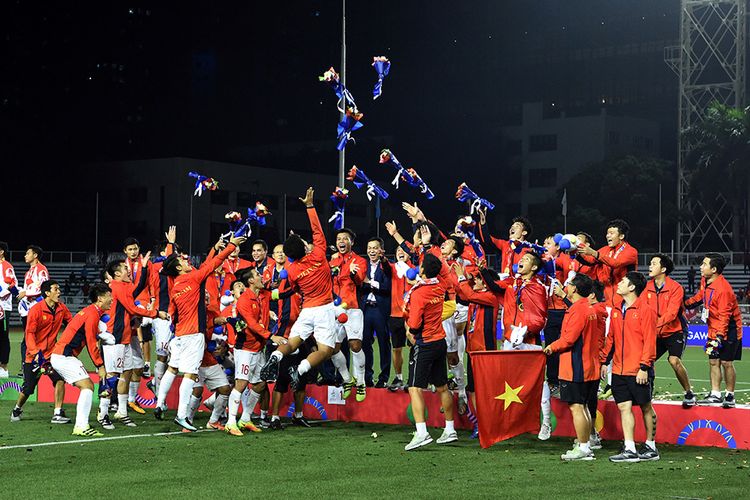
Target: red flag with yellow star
(509, 393)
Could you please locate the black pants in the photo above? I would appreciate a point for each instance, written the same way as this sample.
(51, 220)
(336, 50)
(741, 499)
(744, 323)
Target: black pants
(552, 333)
(5, 339)
(376, 324)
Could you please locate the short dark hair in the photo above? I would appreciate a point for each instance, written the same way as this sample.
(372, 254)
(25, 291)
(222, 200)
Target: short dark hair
(98, 290)
(638, 280)
(37, 250)
(261, 243)
(348, 231)
(537, 260)
(112, 267)
(130, 241)
(622, 227)
(588, 237)
(246, 275)
(169, 268)
(584, 285)
(231, 286)
(47, 287)
(4, 248)
(716, 260)
(665, 262)
(526, 223)
(458, 244)
(597, 288)
(431, 265)
(294, 247)
(379, 240)
(434, 231)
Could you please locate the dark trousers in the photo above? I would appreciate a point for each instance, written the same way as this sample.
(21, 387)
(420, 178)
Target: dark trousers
(552, 333)
(23, 341)
(5, 339)
(376, 325)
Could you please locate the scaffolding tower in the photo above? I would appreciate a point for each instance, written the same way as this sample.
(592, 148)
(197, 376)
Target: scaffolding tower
(710, 63)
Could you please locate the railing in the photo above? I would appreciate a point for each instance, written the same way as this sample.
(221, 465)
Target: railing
(692, 258)
(57, 256)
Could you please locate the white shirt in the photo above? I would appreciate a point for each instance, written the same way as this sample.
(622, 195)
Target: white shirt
(372, 266)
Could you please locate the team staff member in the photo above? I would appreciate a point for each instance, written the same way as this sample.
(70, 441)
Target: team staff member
(42, 325)
(722, 315)
(32, 281)
(665, 296)
(631, 345)
(581, 339)
(8, 283)
(428, 355)
(397, 320)
(376, 303)
(81, 332)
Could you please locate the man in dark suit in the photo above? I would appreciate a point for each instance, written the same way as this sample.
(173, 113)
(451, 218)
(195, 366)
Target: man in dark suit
(376, 304)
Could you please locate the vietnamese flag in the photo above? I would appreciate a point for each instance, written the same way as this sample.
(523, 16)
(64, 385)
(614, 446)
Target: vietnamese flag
(509, 393)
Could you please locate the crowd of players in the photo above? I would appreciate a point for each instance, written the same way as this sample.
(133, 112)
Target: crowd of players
(233, 325)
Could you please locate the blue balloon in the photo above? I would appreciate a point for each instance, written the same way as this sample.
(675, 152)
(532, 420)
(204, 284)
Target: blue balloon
(39, 299)
(411, 273)
(137, 302)
(211, 346)
(105, 318)
(336, 300)
(219, 330)
(515, 268)
(229, 371)
(557, 238)
(283, 274)
(228, 293)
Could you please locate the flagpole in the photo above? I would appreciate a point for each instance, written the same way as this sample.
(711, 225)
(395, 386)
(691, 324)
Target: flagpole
(659, 218)
(342, 154)
(565, 210)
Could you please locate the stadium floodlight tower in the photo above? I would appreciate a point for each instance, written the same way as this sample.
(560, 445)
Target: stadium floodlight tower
(710, 63)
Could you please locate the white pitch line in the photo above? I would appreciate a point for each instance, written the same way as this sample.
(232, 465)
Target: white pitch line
(699, 380)
(93, 440)
(669, 394)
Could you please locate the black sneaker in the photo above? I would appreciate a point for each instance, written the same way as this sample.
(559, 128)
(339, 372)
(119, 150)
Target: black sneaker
(625, 456)
(293, 378)
(158, 413)
(276, 425)
(270, 370)
(648, 454)
(300, 422)
(15, 415)
(382, 384)
(688, 401)
(265, 422)
(60, 418)
(151, 387)
(728, 401)
(711, 400)
(106, 423)
(396, 385)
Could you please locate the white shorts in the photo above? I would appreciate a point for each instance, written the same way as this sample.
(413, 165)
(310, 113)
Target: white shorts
(318, 321)
(247, 365)
(187, 352)
(212, 377)
(507, 346)
(462, 313)
(162, 335)
(353, 327)
(451, 336)
(69, 368)
(136, 352)
(117, 358)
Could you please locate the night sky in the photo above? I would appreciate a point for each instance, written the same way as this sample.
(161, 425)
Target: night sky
(90, 81)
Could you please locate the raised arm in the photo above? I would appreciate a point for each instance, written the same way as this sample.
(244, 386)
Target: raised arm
(318, 237)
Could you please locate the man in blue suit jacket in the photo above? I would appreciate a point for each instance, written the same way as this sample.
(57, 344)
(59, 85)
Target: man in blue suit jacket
(375, 301)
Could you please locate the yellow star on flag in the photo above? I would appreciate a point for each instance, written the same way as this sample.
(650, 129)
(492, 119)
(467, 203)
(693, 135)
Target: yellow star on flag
(510, 395)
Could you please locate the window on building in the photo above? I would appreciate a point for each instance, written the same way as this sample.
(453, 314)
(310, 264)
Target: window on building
(138, 194)
(545, 142)
(542, 177)
(220, 197)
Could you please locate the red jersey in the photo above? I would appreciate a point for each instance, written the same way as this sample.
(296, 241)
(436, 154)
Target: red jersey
(254, 336)
(399, 287)
(667, 302)
(231, 266)
(135, 270)
(524, 304)
(188, 302)
(582, 266)
(288, 304)
(724, 316)
(424, 304)
(581, 340)
(563, 265)
(632, 339)
(509, 257)
(481, 329)
(160, 285)
(82, 332)
(42, 325)
(32, 281)
(311, 274)
(124, 308)
(616, 263)
(346, 283)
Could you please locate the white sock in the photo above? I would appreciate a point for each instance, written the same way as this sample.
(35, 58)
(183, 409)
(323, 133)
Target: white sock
(133, 391)
(160, 367)
(211, 399)
(421, 428)
(651, 444)
(358, 366)
(122, 404)
(57, 411)
(449, 426)
(339, 361)
(83, 408)
(728, 393)
(103, 407)
(585, 447)
(246, 412)
(716, 393)
(186, 390)
(220, 405)
(304, 367)
(275, 417)
(298, 414)
(399, 376)
(164, 386)
(234, 405)
(263, 413)
(192, 407)
(252, 400)
(277, 354)
(630, 446)
(546, 404)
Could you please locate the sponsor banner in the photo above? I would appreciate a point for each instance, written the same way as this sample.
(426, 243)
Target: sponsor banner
(698, 334)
